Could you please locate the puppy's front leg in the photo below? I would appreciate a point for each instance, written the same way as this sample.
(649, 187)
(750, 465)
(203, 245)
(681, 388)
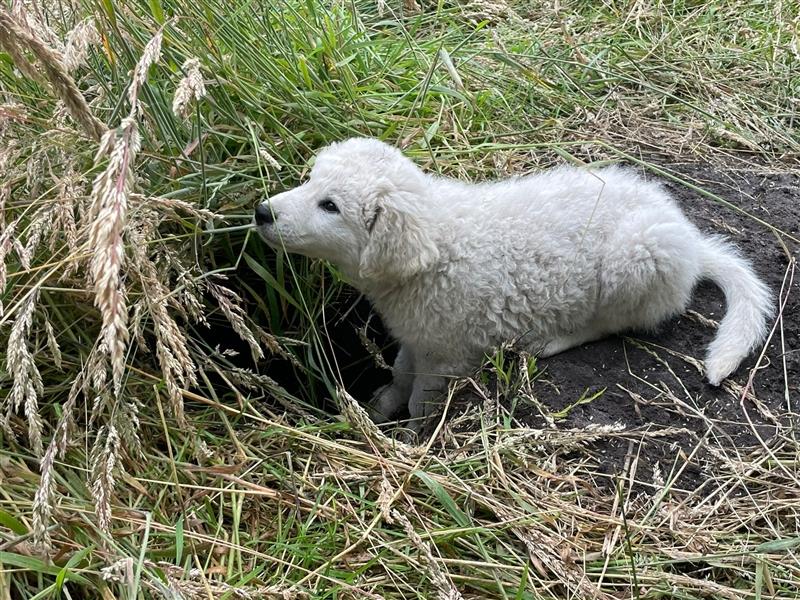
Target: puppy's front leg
(387, 400)
(425, 398)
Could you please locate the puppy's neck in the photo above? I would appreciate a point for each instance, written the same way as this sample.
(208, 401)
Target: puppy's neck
(376, 289)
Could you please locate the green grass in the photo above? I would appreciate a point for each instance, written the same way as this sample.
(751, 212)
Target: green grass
(260, 488)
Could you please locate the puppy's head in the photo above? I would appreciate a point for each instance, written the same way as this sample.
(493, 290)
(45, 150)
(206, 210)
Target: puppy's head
(360, 209)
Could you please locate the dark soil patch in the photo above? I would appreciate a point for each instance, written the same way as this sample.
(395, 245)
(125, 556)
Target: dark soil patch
(649, 386)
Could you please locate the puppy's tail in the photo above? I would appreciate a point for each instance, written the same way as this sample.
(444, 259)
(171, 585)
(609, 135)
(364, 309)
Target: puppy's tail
(749, 306)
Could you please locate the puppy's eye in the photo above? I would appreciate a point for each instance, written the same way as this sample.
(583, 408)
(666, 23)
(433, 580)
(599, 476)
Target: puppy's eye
(329, 206)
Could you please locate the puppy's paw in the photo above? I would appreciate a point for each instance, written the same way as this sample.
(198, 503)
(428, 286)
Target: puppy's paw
(385, 403)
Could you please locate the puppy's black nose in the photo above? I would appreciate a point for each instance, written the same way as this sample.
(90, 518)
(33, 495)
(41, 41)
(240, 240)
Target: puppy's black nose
(264, 215)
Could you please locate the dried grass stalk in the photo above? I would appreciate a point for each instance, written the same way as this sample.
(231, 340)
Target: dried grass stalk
(52, 343)
(40, 224)
(104, 458)
(265, 155)
(191, 87)
(110, 199)
(355, 414)
(230, 305)
(96, 370)
(5, 194)
(542, 550)
(35, 24)
(13, 37)
(79, 41)
(9, 43)
(150, 55)
(110, 208)
(43, 499)
(27, 382)
(192, 584)
(445, 589)
(172, 350)
(127, 422)
(6, 243)
(175, 204)
(64, 218)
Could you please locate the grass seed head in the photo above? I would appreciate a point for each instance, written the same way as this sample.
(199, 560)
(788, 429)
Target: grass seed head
(79, 41)
(191, 87)
(150, 55)
(110, 209)
(26, 380)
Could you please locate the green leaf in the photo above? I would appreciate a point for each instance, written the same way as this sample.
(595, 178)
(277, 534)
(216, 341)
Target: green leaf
(157, 9)
(584, 399)
(777, 545)
(445, 499)
(271, 281)
(9, 522)
(108, 5)
(523, 582)
(72, 562)
(179, 541)
(38, 566)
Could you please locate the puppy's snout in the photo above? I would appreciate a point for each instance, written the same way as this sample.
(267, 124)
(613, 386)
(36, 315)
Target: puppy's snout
(264, 214)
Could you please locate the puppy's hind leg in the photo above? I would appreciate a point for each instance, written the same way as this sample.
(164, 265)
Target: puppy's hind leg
(389, 399)
(647, 274)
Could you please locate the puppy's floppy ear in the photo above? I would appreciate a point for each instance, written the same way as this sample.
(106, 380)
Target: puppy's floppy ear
(398, 245)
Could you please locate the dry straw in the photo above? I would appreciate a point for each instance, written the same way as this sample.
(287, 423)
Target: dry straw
(191, 583)
(355, 414)
(445, 589)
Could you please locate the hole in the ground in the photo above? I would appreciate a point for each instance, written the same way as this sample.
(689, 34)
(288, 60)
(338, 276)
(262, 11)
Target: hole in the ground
(347, 317)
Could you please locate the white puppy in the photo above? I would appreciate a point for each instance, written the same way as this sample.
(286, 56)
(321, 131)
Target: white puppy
(550, 261)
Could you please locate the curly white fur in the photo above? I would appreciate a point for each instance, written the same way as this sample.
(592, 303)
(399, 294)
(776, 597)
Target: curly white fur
(550, 261)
